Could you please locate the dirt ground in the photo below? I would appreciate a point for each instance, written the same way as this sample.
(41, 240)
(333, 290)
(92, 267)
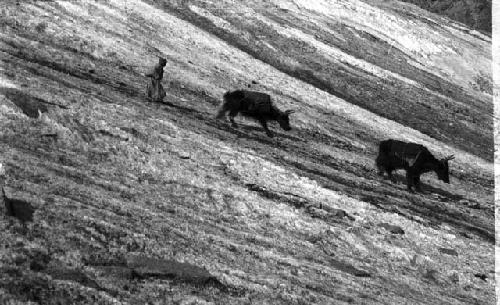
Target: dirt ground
(301, 218)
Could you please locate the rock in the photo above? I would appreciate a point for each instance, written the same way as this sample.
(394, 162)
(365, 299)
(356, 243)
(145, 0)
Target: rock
(39, 260)
(49, 135)
(72, 275)
(465, 234)
(116, 272)
(18, 208)
(29, 105)
(37, 265)
(345, 267)
(19, 259)
(454, 278)
(448, 251)
(392, 228)
(193, 300)
(144, 267)
(361, 273)
(318, 213)
(431, 274)
(184, 156)
(413, 260)
(475, 206)
(337, 212)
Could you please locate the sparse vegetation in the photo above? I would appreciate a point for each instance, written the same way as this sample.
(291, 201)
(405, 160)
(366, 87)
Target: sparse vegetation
(302, 218)
(483, 83)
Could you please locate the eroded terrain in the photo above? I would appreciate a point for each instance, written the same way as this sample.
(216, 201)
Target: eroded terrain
(301, 218)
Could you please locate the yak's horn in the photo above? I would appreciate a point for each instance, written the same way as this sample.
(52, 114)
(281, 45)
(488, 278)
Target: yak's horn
(450, 157)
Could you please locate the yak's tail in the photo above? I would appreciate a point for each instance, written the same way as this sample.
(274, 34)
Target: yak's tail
(385, 147)
(223, 106)
(383, 151)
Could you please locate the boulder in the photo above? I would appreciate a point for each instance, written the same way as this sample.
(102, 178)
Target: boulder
(145, 267)
(19, 208)
(448, 251)
(392, 228)
(29, 105)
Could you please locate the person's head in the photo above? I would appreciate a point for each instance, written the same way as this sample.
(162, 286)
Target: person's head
(162, 61)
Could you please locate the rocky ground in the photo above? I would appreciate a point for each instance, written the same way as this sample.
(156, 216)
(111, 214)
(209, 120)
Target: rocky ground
(119, 200)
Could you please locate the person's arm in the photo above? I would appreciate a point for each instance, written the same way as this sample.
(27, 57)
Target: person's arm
(156, 73)
(152, 72)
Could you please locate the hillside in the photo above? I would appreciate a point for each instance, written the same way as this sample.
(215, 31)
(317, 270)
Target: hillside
(121, 187)
(476, 14)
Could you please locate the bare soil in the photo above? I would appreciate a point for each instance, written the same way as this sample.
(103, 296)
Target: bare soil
(301, 218)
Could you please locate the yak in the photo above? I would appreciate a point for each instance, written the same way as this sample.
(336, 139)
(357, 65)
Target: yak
(256, 105)
(414, 158)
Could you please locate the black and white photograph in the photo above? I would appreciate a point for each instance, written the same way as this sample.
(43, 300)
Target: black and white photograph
(268, 152)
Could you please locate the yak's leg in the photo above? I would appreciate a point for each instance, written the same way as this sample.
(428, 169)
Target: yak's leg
(264, 125)
(416, 183)
(389, 175)
(409, 180)
(380, 165)
(381, 171)
(232, 114)
(222, 111)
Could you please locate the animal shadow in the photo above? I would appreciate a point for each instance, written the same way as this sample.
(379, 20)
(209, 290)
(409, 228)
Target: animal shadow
(427, 188)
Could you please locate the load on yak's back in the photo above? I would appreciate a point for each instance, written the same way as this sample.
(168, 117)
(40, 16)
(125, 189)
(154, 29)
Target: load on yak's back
(256, 105)
(416, 159)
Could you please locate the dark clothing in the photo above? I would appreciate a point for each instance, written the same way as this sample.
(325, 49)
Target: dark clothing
(155, 89)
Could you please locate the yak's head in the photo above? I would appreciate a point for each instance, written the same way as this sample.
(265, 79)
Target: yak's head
(284, 120)
(443, 171)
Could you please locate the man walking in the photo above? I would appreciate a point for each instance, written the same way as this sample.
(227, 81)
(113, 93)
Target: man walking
(155, 90)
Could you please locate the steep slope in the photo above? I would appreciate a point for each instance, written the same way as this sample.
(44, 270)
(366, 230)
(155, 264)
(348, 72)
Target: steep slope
(394, 63)
(298, 219)
(476, 14)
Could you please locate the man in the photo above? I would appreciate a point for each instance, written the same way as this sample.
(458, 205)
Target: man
(155, 90)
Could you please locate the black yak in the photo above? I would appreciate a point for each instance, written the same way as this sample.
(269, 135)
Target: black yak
(255, 105)
(416, 159)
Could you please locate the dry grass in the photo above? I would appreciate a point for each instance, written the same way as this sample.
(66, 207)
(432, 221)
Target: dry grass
(111, 174)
